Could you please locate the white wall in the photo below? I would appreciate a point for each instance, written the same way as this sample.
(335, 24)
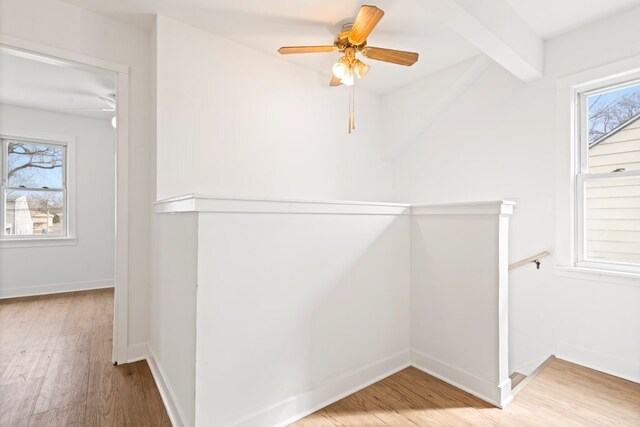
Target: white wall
(230, 120)
(295, 310)
(173, 308)
(598, 320)
(459, 296)
(89, 263)
(497, 154)
(235, 121)
(68, 27)
(497, 141)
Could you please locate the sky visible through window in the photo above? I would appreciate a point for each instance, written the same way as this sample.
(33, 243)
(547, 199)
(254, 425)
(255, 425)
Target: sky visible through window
(35, 165)
(608, 110)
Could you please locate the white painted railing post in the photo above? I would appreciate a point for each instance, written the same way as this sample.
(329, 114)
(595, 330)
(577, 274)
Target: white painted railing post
(506, 210)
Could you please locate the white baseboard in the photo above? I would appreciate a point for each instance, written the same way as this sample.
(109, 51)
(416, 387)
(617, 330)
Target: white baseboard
(531, 375)
(497, 395)
(627, 369)
(55, 288)
(528, 368)
(137, 352)
(175, 412)
(297, 407)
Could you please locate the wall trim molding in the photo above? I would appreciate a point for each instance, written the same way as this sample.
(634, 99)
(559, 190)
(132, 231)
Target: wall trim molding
(498, 395)
(56, 288)
(498, 207)
(626, 369)
(297, 407)
(219, 204)
(216, 204)
(174, 410)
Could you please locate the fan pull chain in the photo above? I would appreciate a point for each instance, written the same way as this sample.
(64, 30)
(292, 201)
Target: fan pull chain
(352, 121)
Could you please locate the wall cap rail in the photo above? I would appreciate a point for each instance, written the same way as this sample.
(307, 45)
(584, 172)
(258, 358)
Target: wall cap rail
(225, 204)
(221, 204)
(494, 207)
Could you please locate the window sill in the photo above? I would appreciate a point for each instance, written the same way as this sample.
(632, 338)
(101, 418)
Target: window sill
(596, 275)
(37, 242)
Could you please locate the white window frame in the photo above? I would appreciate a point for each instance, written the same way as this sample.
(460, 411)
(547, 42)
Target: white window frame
(583, 175)
(69, 189)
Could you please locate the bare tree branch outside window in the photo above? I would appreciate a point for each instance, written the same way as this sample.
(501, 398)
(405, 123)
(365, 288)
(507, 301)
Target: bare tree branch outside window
(609, 110)
(25, 159)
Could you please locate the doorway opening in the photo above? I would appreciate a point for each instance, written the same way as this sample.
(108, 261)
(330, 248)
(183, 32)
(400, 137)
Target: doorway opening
(63, 209)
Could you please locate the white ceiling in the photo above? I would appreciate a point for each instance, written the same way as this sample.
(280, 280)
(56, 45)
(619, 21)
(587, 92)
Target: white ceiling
(407, 25)
(550, 18)
(268, 25)
(30, 81)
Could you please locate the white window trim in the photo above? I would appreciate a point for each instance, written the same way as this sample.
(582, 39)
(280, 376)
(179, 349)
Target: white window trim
(569, 167)
(70, 237)
(596, 275)
(583, 174)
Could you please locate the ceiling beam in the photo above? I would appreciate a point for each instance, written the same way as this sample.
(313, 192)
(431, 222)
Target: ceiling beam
(497, 30)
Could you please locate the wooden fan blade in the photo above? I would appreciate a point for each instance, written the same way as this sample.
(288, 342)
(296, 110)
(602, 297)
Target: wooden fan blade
(90, 109)
(400, 57)
(335, 81)
(285, 50)
(368, 17)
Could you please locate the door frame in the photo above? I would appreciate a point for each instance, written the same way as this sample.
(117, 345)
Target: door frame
(121, 273)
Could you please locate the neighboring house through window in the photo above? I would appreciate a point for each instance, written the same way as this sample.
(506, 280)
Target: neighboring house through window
(34, 201)
(608, 180)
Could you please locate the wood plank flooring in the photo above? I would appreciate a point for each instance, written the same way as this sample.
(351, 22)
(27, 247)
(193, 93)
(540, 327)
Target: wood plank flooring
(563, 394)
(56, 370)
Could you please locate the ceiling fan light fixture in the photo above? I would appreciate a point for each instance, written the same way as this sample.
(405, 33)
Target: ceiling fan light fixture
(351, 41)
(341, 68)
(348, 79)
(361, 69)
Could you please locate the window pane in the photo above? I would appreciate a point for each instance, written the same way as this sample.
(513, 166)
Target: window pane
(35, 165)
(34, 213)
(613, 220)
(614, 130)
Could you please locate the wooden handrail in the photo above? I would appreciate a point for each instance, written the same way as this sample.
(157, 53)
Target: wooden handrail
(526, 261)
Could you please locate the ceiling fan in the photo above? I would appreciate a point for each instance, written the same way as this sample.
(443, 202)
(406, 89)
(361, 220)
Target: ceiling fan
(351, 41)
(109, 104)
(109, 107)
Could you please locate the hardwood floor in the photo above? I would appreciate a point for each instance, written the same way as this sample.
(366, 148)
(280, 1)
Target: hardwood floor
(563, 394)
(56, 370)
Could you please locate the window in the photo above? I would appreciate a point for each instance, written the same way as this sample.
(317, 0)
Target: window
(34, 202)
(608, 180)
